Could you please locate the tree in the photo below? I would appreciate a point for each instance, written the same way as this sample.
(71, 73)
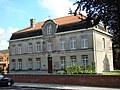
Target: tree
(107, 12)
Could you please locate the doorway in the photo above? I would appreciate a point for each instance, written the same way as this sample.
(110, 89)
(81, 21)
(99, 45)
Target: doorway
(50, 65)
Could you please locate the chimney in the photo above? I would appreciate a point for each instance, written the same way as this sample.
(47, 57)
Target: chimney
(32, 22)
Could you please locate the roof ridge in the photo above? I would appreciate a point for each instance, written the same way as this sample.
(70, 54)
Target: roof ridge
(60, 20)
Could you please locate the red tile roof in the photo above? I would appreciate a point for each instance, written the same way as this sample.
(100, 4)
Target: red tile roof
(59, 21)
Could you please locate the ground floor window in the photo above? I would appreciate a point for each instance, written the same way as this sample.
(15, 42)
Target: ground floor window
(19, 64)
(13, 64)
(85, 60)
(73, 60)
(63, 62)
(38, 63)
(30, 64)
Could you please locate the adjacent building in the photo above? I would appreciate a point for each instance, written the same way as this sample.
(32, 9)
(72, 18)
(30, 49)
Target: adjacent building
(56, 43)
(4, 61)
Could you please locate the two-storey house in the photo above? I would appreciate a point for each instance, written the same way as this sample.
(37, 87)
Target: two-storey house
(56, 43)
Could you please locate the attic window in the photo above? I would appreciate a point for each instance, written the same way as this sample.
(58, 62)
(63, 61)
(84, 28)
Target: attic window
(49, 29)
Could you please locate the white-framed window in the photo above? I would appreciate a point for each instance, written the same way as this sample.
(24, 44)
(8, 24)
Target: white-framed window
(30, 63)
(103, 43)
(49, 46)
(85, 60)
(13, 67)
(63, 62)
(19, 49)
(49, 29)
(62, 44)
(73, 60)
(38, 63)
(38, 47)
(84, 42)
(1, 59)
(73, 43)
(30, 47)
(19, 64)
(13, 49)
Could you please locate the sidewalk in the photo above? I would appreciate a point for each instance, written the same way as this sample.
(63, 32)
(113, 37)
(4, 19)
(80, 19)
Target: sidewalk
(60, 86)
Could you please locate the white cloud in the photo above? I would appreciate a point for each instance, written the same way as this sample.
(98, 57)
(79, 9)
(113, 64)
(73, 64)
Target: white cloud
(4, 44)
(1, 32)
(12, 30)
(56, 8)
(5, 36)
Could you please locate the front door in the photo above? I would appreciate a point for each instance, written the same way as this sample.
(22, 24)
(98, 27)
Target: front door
(50, 65)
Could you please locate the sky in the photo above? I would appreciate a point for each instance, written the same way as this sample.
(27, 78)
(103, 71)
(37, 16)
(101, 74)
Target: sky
(16, 14)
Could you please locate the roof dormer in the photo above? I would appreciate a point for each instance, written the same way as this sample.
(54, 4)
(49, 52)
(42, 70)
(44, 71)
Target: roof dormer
(49, 28)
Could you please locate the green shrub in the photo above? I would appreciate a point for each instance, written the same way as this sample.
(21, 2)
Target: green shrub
(79, 69)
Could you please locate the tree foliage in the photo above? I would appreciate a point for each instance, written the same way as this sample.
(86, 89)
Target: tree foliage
(105, 11)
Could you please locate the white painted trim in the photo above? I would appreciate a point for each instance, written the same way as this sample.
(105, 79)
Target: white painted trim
(27, 38)
(102, 31)
(78, 30)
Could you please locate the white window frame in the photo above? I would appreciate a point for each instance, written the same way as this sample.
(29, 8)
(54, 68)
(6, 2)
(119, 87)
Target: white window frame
(49, 46)
(49, 29)
(13, 50)
(38, 47)
(73, 60)
(19, 64)
(38, 63)
(30, 47)
(30, 64)
(84, 43)
(13, 64)
(62, 44)
(73, 43)
(63, 62)
(19, 49)
(85, 60)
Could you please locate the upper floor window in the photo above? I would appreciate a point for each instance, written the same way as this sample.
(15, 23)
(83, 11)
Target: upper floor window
(30, 48)
(19, 49)
(62, 44)
(84, 42)
(73, 43)
(49, 46)
(38, 47)
(13, 50)
(49, 29)
(103, 43)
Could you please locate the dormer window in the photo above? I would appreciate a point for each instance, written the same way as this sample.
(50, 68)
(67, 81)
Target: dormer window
(49, 29)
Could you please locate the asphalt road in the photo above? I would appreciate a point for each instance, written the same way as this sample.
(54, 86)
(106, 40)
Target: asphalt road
(38, 86)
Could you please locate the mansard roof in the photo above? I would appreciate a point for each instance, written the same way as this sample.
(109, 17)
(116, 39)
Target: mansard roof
(66, 23)
(59, 21)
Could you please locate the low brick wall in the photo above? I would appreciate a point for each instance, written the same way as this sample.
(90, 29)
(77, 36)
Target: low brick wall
(87, 80)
